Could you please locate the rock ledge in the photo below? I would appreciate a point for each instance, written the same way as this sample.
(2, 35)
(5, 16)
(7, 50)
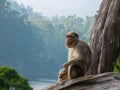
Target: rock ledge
(104, 81)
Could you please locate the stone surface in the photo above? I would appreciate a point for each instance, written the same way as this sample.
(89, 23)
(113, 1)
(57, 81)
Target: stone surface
(104, 81)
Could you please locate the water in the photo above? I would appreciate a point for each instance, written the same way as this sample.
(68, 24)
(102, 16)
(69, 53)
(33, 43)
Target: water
(41, 83)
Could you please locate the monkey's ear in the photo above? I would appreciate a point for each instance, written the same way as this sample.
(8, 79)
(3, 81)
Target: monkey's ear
(76, 35)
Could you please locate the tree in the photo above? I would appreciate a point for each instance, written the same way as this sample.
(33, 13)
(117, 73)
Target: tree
(28, 37)
(105, 37)
(9, 78)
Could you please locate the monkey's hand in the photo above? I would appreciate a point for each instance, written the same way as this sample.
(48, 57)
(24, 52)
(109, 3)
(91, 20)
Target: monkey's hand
(65, 65)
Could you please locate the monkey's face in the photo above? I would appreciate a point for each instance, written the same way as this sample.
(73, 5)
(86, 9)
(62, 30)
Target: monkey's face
(71, 39)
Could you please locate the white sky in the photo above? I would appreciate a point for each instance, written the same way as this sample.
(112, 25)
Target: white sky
(50, 8)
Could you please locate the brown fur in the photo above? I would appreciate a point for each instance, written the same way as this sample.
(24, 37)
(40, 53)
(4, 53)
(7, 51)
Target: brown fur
(79, 56)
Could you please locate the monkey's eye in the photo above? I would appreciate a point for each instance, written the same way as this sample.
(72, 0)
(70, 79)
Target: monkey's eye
(68, 36)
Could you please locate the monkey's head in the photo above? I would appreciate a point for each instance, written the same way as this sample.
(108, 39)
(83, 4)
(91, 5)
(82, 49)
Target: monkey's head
(71, 39)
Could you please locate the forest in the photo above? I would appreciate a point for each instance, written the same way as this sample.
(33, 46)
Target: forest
(33, 44)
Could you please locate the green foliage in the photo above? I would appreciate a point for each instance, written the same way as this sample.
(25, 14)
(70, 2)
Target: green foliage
(117, 66)
(30, 41)
(9, 78)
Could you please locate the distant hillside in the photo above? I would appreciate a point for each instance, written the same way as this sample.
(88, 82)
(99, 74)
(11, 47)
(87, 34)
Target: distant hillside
(34, 44)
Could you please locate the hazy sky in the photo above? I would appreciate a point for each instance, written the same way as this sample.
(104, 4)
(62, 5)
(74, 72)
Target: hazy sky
(63, 7)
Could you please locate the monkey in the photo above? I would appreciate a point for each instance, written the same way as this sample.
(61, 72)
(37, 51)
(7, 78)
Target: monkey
(79, 57)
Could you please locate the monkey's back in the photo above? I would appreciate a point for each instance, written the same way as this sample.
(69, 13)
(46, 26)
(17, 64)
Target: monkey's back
(85, 52)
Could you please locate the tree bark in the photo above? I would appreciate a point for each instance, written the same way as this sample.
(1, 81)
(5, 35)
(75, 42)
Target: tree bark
(105, 37)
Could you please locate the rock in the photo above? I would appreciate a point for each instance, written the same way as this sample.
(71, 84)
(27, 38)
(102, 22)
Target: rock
(104, 81)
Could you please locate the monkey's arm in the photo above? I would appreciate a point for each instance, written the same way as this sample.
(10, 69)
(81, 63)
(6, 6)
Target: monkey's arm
(74, 61)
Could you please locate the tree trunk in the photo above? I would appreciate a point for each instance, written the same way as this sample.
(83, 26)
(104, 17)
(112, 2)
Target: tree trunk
(105, 37)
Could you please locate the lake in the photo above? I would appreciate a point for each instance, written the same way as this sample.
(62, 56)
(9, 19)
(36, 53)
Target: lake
(41, 83)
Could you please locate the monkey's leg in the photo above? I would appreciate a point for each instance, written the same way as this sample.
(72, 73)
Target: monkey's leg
(74, 71)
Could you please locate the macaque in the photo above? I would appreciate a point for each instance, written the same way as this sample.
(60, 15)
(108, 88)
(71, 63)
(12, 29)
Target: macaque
(79, 57)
